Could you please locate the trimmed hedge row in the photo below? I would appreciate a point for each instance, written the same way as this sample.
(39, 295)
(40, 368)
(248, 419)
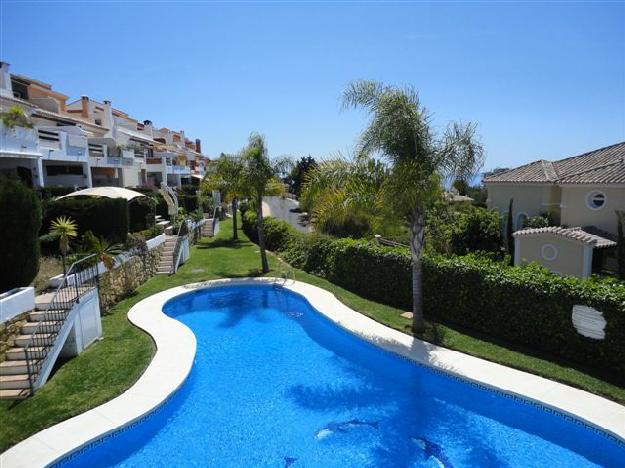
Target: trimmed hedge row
(105, 217)
(20, 212)
(528, 306)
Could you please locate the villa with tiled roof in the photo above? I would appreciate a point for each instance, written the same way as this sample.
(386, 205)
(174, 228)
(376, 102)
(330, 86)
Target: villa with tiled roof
(581, 194)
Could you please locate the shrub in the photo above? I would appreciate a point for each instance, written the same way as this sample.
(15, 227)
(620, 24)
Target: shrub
(536, 222)
(187, 197)
(476, 229)
(141, 212)
(47, 193)
(150, 232)
(20, 212)
(105, 217)
(528, 306)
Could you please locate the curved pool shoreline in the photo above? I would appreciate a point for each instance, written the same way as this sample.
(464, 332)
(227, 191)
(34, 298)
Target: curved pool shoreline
(176, 346)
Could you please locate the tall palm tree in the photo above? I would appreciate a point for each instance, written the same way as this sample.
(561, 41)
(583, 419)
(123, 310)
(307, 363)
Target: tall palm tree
(400, 130)
(64, 228)
(226, 175)
(259, 179)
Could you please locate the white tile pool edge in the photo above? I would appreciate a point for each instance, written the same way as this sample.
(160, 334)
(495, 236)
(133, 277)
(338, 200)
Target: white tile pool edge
(175, 353)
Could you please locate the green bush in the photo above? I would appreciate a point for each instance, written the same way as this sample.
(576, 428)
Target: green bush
(528, 306)
(187, 197)
(141, 212)
(20, 212)
(536, 222)
(105, 217)
(150, 232)
(47, 193)
(476, 229)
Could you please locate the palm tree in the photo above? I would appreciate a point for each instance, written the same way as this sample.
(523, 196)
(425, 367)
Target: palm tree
(259, 179)
(226, 175)
(105, 251)
(400, 130)
(64, 228)
(338, 190)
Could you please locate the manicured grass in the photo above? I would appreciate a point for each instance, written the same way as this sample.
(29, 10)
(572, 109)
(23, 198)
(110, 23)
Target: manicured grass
(112, 365)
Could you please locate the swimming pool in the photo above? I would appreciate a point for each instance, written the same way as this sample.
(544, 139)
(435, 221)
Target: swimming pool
(276, 384)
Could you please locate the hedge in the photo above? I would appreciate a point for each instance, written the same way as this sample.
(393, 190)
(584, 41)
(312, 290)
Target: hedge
(527, 306)
(105, 217)
(20, 212)
(141, 212)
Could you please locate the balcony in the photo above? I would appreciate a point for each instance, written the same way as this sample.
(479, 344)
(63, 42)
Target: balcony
(18, 142)
(59, 145)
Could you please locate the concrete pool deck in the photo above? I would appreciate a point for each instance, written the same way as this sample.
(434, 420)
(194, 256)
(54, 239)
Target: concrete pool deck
(175, 353)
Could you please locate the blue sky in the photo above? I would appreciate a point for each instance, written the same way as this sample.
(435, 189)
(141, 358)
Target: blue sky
(542, 80)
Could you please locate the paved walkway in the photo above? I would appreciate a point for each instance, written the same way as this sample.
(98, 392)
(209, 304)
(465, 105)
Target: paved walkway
(280, 208)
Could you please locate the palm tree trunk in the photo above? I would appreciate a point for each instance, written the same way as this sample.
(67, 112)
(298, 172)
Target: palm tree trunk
(235, 235)
(261, 235)
(417, 224)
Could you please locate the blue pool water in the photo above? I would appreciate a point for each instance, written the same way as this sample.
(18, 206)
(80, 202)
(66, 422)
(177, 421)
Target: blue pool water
(276, 384)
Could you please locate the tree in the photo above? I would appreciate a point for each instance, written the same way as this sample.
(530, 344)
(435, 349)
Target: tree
(20, 212)
(344, 197)
(64, 228)
(510, 231)
(297, 175)
(400, 130)
(226, 175)
(258, 180)
(620, 248)
(105, 251)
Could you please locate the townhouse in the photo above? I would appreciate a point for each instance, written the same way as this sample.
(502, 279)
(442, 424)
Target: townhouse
(86, 143)
(582, 195)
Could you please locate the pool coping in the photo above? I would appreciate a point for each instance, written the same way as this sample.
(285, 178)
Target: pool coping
(176, 346)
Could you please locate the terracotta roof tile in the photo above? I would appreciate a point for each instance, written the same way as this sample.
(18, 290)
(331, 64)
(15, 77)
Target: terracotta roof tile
(602, 166)
(588, 235)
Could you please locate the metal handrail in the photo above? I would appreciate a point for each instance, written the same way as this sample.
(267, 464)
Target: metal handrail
(66, 295)
(177, 252)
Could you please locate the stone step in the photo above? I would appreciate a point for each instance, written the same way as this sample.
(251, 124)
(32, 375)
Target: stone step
(13, 367)
(18, 354)
(17, 394)
(14, 382)
(38, 315)
(42, 338)
(30, 327)
(67, 295)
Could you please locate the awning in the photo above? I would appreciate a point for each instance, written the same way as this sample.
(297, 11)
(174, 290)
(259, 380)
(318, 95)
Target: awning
(108, 192)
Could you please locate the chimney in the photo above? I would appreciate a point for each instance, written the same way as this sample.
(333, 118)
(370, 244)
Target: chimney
(5, 80)
(85, 106)
(107, 118)
(198, 145)
(147, 128)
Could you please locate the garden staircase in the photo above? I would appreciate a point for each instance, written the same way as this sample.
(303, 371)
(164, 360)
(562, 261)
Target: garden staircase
(207, 228)
(29, 362)
(167, 262)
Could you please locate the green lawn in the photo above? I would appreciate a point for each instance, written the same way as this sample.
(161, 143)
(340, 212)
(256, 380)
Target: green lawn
(113, 364)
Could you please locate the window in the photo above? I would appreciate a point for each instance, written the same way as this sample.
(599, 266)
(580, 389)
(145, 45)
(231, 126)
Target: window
(549, 252)
(595, 200)
(521, 218)
(63, 170)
